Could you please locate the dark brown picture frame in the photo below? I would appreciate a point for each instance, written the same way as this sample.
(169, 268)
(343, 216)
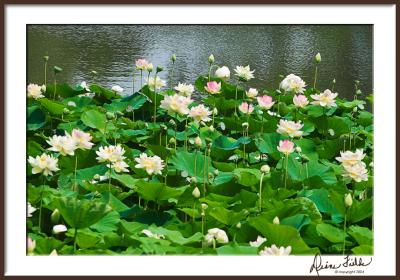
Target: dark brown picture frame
(3, 108)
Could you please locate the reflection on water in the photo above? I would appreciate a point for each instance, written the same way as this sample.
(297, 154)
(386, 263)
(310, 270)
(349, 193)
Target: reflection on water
(271, 50)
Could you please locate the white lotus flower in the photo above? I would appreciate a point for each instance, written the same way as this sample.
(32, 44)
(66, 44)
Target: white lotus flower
(200, 113)
(223, 73)
(357, 172)
(117, 89)
(156, 83)
(152, 165)
(251, 93)
(65, 145)
(148, 233)
(275, 251)
(300, 101)
(85, 86)
(216, 234)
(46, 164)
(59, 229)
(260, 240)
(185, 89)
(290, 128)
(348, 158)
(82, 139)
(325, 99)
(176, 104)
(35, 91)
(244, 73)
(30, 210)
(293, 83)
(110, 154)
(286, 147)
(119, 166)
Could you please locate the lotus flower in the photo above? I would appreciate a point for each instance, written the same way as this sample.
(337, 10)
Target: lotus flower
(213, 87)
(293, 83)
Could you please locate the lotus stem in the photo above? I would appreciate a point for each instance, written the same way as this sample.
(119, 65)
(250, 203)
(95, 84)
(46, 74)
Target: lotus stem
(315, 76)
(176, 128)
(214, 244)
(76, 166)
(213, 114)
(45, 72)
(133, 82)
(236, 92)
(286, 168)
(344, 230)
(209, 72)
(260, 195)
(133, 115)
(185, 143)
(75, 234)
(262, 122)
(204, 172)
(141, 79)
(172, 74)
(41, 204)
(155, 98)
(55, 88)
(109, 180)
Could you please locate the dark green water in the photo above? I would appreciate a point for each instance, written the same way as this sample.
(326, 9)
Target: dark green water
(272, 50)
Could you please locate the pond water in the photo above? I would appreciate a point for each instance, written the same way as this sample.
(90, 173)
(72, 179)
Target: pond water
(272, 50)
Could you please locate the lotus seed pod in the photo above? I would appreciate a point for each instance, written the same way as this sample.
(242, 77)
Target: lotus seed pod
(245, 125)
(46, 58)
(196, 192)
(55, 216)
(348, 200)
(93, 72)
(276, 221)
(198, 142)
(265, 168)
(57, 69)
(318, 58)
(96, 177)
(66, 111)
(129, 109)
(159, 69)
(204, 206)
(211, 58)
(172, 140)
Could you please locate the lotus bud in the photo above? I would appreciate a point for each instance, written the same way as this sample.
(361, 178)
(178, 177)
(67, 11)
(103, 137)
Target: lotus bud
(198, 142)
(265, 168)
(331, 132)
(211, 59)
(31, 245)
(57, 69)
(59, 229)
(357, 82)
(215, 111)
(196, 192)
(43, 88)
(55, 216)
(276, 221)
(53, 253)
(172, 140)
(222, 126)
(204, 206)
(149, 67)
(355, 109)
(216, 172)
(66, 111)
(110, 115)
(163, 126)
(96, 177)
(159, 69)
(238, 225)
(318, 58)
(298, 149)
(173, 57)
(358, 92)
(334, 81)
(46, 58)
(348, 200)
(211, 128)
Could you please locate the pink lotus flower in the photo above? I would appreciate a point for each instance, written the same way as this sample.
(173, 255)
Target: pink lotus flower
(265, 102)
(141, 64)
(300, 101)
(213, 87)
(286, 147)
(246, 108)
